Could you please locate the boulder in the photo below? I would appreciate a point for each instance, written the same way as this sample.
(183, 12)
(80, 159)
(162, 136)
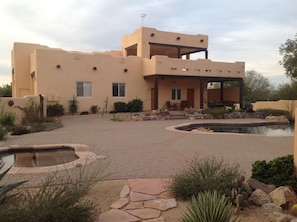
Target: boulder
(255, 184)
(259, 197)
(283, 197)
(282, 118)
(271, 207)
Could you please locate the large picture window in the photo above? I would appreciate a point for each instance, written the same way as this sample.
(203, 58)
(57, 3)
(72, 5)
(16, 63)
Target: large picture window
(83, 89)
(176, 94)
(118, 89)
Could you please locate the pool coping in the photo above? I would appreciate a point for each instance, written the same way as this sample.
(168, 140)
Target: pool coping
(84, 153)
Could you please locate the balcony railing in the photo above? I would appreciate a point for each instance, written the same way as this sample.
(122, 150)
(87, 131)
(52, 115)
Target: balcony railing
(162, 65)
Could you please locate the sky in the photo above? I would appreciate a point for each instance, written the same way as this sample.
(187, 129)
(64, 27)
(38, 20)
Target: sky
(250, 31)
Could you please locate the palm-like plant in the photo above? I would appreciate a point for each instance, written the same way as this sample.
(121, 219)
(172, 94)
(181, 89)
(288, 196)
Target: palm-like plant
(208, 206)
(4, 189)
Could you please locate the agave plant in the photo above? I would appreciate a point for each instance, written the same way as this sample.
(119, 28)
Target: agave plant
(208, 206)
(4, 189)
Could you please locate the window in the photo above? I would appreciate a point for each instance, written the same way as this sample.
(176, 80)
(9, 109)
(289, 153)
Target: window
(118, 89)
(176, 94)
(84, 89)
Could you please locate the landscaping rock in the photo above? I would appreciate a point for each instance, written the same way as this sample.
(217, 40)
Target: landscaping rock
(255, 184)
(161, 204)
(145, 213)
(125, 191)
(283, 197)
(120, 203)
(279, 217)
(259, 197)
(134, 196)
(271, 207)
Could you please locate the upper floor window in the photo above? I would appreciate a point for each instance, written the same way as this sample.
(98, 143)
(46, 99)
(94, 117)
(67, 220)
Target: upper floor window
(84, 89)
(176, 94)
(118, 89)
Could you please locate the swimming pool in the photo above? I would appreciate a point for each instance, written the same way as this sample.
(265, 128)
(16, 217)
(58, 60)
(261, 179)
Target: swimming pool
(262, 128)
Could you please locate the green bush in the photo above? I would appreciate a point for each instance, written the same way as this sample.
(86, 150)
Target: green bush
(136, 105)
(8, 119)
(31, 112)
(120, 107)
(216, 112)
(279, 171)
(208, 206)
(73, 107)
(3, 132)
(204, 174)
(55, 110)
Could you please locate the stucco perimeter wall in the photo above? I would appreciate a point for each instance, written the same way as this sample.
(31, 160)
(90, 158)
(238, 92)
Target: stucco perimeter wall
(17, 102)
(99, 69)
(287, 105)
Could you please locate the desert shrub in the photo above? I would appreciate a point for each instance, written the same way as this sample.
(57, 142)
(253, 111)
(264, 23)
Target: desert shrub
(204, 174)
(136, 105)
(5, 190)
(208, 206)
(216, 112)
(3, 132)
(59, 197)
(31, 112)
(94, 109)
(8, 119)
(120, 107)
(55, 110)
(51, 202)
(73, 105)
(279, 171)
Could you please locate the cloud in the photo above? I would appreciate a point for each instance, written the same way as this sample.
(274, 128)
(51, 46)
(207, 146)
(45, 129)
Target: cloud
(249, 31)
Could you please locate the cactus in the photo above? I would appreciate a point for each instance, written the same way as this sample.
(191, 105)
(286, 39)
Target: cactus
(237, 194)
(293, 210)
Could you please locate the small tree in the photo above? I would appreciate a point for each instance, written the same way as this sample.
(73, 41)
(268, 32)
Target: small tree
(73, 105)
(289, 52)
(257, 87)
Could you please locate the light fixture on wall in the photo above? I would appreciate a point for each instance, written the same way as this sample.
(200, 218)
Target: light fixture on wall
(125, 70)
(178, 38)
(94, 68)
(58, 66)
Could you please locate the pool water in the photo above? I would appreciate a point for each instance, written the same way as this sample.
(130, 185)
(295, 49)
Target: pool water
(268, 130)
(38, 158)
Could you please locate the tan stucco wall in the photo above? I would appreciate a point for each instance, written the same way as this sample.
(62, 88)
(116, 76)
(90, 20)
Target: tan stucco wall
(143, 36)
(287, 105)
(21, 64)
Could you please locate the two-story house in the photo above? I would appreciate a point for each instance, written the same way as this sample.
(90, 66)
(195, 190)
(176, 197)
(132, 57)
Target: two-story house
(155, 66)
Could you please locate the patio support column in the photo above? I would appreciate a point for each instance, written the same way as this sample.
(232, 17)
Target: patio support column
(201, 93)
(156, 92)
(241, 93)
(206, 54)
(222, 91)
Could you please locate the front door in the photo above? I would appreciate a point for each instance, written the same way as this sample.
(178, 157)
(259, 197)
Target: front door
(190, 97)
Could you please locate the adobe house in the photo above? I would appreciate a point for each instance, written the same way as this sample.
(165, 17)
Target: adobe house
(158, 67)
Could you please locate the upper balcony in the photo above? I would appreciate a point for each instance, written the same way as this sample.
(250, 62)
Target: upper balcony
(163, 65)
